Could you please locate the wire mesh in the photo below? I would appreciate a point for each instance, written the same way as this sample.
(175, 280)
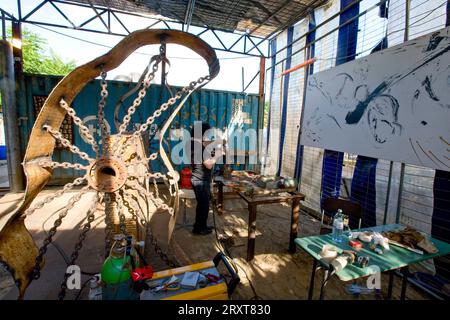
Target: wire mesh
(419, 202)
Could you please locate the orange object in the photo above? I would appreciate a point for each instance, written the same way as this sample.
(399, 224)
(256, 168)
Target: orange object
(185, 178)
(355, 244)
(301, 65)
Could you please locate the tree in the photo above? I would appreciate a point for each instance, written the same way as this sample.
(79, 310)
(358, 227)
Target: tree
(39, 58)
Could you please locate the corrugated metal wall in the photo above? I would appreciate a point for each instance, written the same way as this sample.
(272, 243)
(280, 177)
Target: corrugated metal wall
(215, 107)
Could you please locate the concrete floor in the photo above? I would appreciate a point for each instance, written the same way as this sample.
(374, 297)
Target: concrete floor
(274, 273)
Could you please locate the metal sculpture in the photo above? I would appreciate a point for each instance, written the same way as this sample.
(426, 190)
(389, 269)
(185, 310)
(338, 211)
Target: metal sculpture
(108, 174)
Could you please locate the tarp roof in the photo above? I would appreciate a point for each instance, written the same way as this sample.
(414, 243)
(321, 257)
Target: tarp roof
(258, 17)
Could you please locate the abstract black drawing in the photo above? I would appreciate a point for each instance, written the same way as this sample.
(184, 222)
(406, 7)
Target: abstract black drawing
(393, 104)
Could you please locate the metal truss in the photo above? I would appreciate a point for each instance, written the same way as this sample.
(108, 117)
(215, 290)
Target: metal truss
(112, 19)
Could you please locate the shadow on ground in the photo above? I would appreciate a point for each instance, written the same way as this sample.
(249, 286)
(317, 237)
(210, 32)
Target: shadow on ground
(273, 274)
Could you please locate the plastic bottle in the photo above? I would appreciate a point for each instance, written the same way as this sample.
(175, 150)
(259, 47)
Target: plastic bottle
(338, 226)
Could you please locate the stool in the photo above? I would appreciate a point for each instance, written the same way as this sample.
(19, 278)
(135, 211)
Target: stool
(185, 194)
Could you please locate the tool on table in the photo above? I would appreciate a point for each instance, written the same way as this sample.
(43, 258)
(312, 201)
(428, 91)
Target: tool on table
(412, 240)
(362, 261)
(211, 277)
(398, 244)
(172, 284)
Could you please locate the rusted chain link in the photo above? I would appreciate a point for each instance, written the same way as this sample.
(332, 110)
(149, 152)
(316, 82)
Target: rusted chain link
(120, 212)
(36, 273)
(101, 114)
(191, 87)
(133, 209)
(64, 165)
(74, 256)
(158, 202)
(137, 102)
(158, 250)
(83, 129)
(66, 143)
(57, 194)
(108, 222)
(157, 113)
(163, 256)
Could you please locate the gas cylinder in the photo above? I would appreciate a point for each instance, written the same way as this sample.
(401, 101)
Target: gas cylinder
(185, 178)
(116, 272)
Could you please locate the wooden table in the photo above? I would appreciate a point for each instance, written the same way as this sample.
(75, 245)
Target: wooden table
(264, 198)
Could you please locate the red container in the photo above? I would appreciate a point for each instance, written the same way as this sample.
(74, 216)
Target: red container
(185, 178)
(355, 244)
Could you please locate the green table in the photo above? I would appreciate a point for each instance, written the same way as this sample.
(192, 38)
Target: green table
(395, 258)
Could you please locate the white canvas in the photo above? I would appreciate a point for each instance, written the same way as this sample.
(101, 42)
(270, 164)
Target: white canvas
(393, 104)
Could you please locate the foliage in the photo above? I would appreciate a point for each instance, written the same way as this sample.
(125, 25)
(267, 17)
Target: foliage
(39, 58)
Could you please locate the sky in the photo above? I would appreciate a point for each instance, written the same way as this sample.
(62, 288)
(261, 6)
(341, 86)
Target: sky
(185, 65)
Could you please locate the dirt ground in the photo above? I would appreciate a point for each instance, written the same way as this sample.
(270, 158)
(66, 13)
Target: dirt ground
(273, 274)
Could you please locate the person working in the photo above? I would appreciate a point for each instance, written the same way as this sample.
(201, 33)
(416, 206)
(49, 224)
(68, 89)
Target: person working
(202, 164)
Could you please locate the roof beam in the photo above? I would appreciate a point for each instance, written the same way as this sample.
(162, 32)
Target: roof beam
(310, 6)
(189, 11)
(35, 9)
(107, 26)
(111, 18)
(63, 15)
(272, 15)
(90, 19)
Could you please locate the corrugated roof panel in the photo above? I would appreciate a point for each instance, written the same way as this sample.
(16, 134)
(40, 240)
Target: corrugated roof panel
(259, 17)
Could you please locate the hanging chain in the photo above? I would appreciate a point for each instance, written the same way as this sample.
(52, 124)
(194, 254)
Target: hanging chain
(145, 161)
(137, 102)
(64, 165)
(144, 126)
(134, 210)
(152, 157)
(108, 222)
(163, 256)
(74, 256)
(85, 132)
(191, 87)
(66, 143)
(155, 185)
(101, 113)
(121, 213)
(159, 203)
(57, 194)
(156, 175)
(36, 273)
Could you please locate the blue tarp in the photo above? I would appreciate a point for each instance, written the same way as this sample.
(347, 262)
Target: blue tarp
(346, 51)
(310, 38)
(290, 35)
